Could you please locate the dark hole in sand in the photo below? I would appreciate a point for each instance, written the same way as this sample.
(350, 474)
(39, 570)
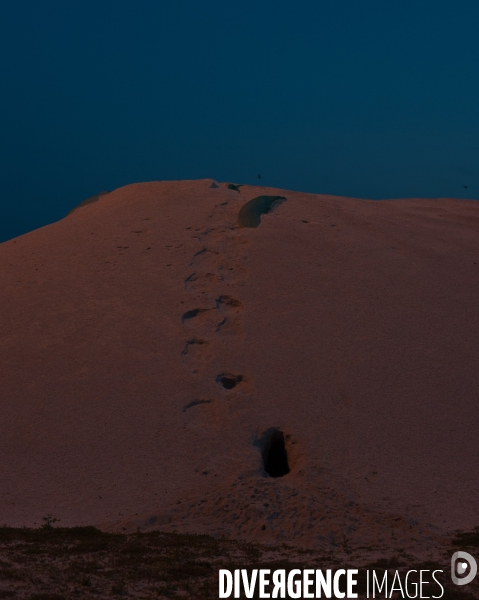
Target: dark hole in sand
(275, 457)
(250, 213)
(191, 314)
(229, 381)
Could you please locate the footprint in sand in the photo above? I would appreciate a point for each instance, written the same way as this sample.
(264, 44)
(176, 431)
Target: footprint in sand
(215, 268)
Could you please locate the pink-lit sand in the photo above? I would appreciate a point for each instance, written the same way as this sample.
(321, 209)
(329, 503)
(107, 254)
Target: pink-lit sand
(353, 323)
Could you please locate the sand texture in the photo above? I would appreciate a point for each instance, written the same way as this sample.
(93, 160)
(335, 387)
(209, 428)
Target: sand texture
(351, 326)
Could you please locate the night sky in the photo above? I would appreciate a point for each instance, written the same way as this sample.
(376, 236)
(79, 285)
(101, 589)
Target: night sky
(365, 98)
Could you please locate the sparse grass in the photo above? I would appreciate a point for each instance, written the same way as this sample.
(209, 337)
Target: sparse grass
(55, 563)
(49, 521)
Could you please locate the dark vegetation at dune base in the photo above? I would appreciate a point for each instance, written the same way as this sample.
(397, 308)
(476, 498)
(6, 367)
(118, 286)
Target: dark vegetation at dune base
(250, 213)
(56, 563)
(467, 539)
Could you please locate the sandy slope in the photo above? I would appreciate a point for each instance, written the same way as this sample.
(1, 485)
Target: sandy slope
(352, 323)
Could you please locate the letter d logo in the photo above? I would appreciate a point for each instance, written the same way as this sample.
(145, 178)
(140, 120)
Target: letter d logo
(462, 567)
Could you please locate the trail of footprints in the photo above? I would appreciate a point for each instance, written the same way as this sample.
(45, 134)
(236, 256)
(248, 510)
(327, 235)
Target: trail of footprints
(215, 313)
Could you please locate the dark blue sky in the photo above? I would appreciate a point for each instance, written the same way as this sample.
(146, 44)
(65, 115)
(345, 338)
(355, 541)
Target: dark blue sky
(371, 98)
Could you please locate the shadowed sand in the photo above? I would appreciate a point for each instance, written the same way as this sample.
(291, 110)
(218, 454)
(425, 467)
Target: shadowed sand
(89, 200)
(152, 351)
(250, 214)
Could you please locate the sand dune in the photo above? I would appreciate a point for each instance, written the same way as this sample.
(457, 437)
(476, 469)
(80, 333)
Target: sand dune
(155, 356)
